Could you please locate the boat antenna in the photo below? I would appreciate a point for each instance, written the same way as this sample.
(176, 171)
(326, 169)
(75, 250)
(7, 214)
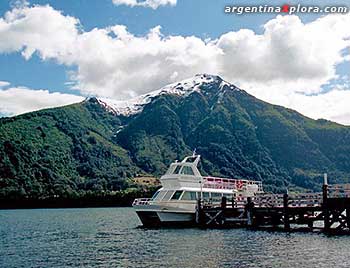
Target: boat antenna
(194, 152)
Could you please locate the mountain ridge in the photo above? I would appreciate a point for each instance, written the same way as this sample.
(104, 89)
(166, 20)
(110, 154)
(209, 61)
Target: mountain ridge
(89, 148)
(182, 88)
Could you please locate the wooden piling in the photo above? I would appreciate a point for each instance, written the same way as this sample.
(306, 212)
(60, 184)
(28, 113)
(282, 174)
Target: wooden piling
(286, 213)
(223, 202)
(199, 212)
(325, 208)
(249, 209)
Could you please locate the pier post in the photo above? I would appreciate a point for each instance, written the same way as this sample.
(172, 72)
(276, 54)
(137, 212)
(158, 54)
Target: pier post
(286, 213)
(325, 207)
(223, 202)
(234, 200)
(199, 212)
(249, 209)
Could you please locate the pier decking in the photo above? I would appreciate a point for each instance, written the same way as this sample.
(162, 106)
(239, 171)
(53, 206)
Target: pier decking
(327, 211)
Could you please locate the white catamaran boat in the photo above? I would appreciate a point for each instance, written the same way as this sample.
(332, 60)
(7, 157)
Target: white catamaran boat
(182, 185)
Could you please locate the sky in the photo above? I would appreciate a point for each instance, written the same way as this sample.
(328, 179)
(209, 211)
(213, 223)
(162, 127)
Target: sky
(59, 52)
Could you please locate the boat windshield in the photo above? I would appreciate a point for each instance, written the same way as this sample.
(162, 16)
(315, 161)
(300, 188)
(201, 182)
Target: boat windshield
(167, 195)
(159, 195)
(186, 170)
(177, 169)
(155, 195)
(181, 169)
(191, 159)
(177, 195)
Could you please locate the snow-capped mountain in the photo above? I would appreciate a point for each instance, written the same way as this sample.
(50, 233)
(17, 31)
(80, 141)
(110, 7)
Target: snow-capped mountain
(80, 148)
(182, 88)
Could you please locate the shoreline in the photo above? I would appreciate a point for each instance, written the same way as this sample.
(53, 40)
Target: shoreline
(119, 200)
(56, 204)
(123, 198)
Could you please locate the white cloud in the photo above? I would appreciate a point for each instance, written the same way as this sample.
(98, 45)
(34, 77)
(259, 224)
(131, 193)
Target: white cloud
(333, 105)
(290, 57)
(126, 65)
(18, 100)
(289, 54)
(39, 29)
(4, 84)
(154, 4)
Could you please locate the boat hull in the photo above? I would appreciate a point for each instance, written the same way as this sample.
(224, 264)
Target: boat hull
(151, 218)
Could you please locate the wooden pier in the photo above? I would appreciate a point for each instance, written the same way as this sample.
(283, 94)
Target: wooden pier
(327, 211)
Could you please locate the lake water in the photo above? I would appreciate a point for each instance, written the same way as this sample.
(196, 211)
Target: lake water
(110, 237)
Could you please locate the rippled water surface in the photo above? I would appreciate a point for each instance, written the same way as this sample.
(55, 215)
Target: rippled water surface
(110, 237)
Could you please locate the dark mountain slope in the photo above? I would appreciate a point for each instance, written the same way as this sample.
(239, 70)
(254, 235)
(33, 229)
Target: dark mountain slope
(61, 151)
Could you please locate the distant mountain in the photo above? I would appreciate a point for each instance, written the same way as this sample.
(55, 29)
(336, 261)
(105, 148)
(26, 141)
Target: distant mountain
(99, 144)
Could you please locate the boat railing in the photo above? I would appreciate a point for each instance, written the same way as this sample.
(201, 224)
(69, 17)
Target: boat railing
(305, 200)
(235, 184)
(294, 200)
(272, 201)
(268, 200)
(339, 190)
(141, 201)
(234, 202)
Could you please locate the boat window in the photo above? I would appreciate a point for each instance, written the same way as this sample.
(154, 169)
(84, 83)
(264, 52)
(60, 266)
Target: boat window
(205, 196)
(176, 195)
(228, 196)
(177, 169)
(216, 196)
(167, 195)
(186, 170)
(155, 195)
(160, 195)
(170, 169)
(189, 196)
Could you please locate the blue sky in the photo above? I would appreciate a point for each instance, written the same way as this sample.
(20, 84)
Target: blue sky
(203, 19)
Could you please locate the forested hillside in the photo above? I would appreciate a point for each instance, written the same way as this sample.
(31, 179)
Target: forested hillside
(85, 148)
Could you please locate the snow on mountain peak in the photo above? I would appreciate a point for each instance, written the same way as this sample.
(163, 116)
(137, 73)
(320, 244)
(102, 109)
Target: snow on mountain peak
(183, 88)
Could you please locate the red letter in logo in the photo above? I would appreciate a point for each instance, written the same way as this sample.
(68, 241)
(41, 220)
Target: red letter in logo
(285, 8)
